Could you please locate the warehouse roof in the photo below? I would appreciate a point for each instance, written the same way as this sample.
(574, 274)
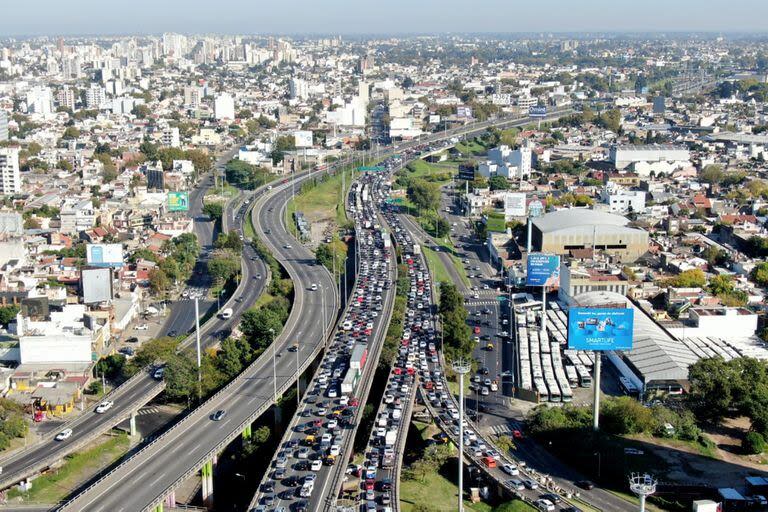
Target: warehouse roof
(574, 218)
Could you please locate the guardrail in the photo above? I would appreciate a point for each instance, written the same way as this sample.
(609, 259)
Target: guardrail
(262, 360)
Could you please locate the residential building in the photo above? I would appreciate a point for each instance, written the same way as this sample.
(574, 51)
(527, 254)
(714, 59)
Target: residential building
(65, 97)
(95, 97)
(10, 177)
(171, 137)
(621, 200)
(77, 216)
(224, 107)
(4, 134)
(39, 100)
(298, 89)
(576, 278)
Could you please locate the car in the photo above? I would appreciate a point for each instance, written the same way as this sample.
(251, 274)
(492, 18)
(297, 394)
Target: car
(142, 327)
(517, 434)
(287, 246)
(531, 484)
(127, 351)
(510, 469)
(172, 333)
(516, 484)
(219, 415)
(313, 287)
(316, 465)
(158, 374)
(554, 498)
(64, 434)
(104, 406)
(132, 339)
(545, 505)
(586, 485)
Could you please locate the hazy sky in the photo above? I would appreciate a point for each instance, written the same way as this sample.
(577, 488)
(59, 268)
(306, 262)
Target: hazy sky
(380, 16)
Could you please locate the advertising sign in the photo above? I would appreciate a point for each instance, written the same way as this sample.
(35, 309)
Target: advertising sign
(535, 209)
(537, 111)
(104, 255)
(514, 204)
(543, 270)
(600, 328)
(303, 138)
(466, 172)
(178, 201)
(96, 284)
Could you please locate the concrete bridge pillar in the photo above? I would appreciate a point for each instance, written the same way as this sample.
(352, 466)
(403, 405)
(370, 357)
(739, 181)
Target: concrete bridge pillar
(134, 432)
(170, 500)
(207, 480)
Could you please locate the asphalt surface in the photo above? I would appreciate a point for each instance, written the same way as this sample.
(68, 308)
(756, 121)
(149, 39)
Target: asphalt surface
(145, 478)
(324, 425)
(128, 397)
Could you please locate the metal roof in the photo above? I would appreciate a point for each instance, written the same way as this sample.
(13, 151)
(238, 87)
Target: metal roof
(579, 218)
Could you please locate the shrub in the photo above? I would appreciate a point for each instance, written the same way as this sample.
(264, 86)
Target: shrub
(753, 443)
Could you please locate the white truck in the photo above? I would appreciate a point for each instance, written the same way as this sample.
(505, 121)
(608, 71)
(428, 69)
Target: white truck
(390, 437)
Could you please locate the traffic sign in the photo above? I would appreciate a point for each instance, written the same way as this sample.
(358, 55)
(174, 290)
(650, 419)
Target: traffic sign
(372, 168)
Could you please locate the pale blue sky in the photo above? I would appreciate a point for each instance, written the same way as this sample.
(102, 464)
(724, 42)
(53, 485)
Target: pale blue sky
(380, 16)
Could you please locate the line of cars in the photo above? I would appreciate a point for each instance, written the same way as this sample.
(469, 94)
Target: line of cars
(328, 410)
(513, 475)
(378, 474)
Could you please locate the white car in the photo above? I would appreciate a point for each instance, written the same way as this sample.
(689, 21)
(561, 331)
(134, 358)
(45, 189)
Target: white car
(142, 327)
(64, 434)
(104, 406)
(316, 465)
(313, 287)
(511, 469)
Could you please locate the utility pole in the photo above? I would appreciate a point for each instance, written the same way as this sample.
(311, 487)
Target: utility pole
(197, 337)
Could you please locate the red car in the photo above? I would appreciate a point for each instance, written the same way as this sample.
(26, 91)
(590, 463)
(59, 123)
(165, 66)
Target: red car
(517, 434)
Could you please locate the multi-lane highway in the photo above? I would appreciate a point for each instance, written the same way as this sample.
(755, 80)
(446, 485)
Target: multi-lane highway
(149, 476)
(319, 438)
(137, 391)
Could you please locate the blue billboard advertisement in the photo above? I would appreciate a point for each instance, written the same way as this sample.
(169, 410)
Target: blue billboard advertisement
(600, 328)
(543, 270)
(537, 111)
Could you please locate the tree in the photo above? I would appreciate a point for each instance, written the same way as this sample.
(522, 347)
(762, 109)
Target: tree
(8, 314)
(200, 159)
(611, 120)
(282, 144)
(693, 278)
(498, 183)
(715, 256)
(71, 133)
(111, 366)
(141, 111)
(753, 443)
(224, 265)
(214, 210)
(64, 165)
(180, 377)
(711, 174)
(230, 241)
(154, 351)
(159, 282)
(234, 355)
(425, 195)
(759, 274)
(14, 426)
(721, 285)
(712, 383)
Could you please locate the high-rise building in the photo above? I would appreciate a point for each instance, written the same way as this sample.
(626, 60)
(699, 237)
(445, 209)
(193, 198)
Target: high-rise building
(3, 125)
(192, 96)
(66, 98)
(298, 89)
(95, 96)
(224, 107)
(171, 138)
(39, 100)
(10, 178)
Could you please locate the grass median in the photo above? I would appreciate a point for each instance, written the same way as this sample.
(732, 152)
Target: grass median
(77, 469)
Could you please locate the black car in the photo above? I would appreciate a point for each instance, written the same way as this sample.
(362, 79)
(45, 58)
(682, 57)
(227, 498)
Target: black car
(133, 339)
(173, 332)
(586, 484)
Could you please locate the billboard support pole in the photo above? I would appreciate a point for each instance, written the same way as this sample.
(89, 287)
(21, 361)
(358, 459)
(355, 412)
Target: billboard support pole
(596, 384)
(544, 310)
(530, 231)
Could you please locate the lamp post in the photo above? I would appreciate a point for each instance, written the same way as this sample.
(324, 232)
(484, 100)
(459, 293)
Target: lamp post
(274, 363)
(461, 367)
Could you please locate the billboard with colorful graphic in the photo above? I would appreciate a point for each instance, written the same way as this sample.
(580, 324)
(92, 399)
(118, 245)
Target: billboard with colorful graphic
(600, 328)
(178, 201)
(543, 270)
(104, 255)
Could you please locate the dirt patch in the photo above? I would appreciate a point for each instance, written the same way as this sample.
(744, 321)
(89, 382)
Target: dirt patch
(319, 230)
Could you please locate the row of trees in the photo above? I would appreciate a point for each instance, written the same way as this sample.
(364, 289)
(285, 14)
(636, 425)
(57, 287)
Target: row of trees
(152, 152)
(456, 333)
(180, 255)
(246, 176)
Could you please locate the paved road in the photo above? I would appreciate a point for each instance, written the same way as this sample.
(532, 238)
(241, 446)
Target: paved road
(127, 397)
(146, 478)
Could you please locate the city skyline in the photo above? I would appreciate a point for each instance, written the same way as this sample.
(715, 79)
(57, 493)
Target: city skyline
(397, 17)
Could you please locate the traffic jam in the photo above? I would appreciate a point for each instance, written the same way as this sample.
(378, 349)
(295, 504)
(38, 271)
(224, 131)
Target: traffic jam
(328, 412)
(418, 360)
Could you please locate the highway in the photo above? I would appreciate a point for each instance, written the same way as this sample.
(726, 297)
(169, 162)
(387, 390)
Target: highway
(147, 477)
(132, 394)
(326, 411)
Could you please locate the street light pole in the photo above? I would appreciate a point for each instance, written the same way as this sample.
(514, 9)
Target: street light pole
(461, 367)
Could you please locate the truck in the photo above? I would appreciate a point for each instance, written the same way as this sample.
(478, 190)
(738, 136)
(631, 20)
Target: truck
(416, 249)
(358, 356)
(388, 460)
(390, 437)
(349, 384)
(227, 313)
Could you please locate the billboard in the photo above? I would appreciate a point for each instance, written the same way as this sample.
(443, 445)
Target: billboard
(537, 111)
(466, 172)
(535, 208)
(104, 255)
(543, 270)
(600, 328)
(178, 201)
(96, 285)
(514, 204)
(302, 138)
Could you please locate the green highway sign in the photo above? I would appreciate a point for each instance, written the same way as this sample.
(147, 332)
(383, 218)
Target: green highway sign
(501, 298)
(374, 168)
(395, 200)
